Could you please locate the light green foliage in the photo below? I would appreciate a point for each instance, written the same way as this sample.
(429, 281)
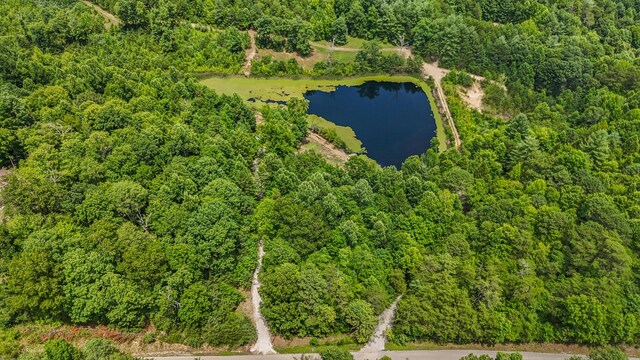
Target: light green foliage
(334, 353)
(607, 353)
(499, 356)
(61, 350)
(10, 347)
(98, 349)
(359, 315)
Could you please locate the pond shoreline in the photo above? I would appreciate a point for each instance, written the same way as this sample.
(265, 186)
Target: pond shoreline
(284, 88)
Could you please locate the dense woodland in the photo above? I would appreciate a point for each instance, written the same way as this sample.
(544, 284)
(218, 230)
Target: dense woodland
(137, 196)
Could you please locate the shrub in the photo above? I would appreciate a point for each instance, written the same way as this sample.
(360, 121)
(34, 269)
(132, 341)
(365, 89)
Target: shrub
(236, 330)
(149, 338)
(334, 353)
(10, 347)
(98, 349)
(608, 353)
(459, 78)
(61, 350)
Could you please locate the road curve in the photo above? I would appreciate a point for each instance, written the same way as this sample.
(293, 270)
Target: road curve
(395, 355)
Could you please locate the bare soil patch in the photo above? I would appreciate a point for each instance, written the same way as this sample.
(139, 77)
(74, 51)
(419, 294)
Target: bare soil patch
(473, 96)
(323, 147)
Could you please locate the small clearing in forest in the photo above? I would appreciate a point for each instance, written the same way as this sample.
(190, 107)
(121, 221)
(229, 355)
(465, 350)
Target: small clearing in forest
(323, 147)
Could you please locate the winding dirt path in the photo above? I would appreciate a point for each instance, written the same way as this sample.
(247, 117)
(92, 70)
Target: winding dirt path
(3, 183)
(111, 19)
(250, 54)
(263, 345)
(377, 342)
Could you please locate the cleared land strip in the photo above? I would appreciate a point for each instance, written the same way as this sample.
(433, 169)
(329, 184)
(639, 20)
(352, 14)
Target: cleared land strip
(322, 146)
(437, 73)
(250, 54)
(111, 19)
(3, 183)
(396, 355)
(447, 113)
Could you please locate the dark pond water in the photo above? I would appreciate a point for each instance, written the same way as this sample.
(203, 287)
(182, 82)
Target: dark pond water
(393, 120)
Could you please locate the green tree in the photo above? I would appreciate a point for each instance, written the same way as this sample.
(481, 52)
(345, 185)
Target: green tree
(335, 353)
(359, 315)
(61, 350)
(339, 31)
(585, 319)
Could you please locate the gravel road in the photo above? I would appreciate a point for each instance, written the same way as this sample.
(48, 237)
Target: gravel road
(395, 355)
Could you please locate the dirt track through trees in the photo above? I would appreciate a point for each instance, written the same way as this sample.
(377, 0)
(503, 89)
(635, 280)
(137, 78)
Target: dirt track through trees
(379, 338)
(111, 19)
(263, 344)
(250, 54)
(437, 73)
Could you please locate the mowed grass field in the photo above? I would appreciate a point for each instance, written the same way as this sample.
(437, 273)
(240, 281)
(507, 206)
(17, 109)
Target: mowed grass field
(282, 89)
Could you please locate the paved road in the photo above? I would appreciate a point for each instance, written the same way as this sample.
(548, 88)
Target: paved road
(396, 355)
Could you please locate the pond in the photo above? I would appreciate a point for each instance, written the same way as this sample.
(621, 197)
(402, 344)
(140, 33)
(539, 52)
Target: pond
(393, 120)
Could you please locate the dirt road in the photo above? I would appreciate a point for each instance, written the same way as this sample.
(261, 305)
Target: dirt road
(379, 337)
(263, 344)
(437, 73)
(250, 54)
(3, 183)
(111, 19)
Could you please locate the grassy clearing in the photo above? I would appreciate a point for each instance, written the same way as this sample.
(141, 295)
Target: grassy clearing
(340, 56)
(282, 89)
(305, 62)
(321, 52)
(353, 43)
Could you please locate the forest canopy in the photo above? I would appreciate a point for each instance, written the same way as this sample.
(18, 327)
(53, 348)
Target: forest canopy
(137, 197)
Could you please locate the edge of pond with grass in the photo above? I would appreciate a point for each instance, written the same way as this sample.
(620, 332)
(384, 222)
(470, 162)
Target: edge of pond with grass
(273, 89)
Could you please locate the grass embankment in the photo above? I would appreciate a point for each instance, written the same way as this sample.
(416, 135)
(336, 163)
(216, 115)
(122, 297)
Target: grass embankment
(352, 144)
(282, 89)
